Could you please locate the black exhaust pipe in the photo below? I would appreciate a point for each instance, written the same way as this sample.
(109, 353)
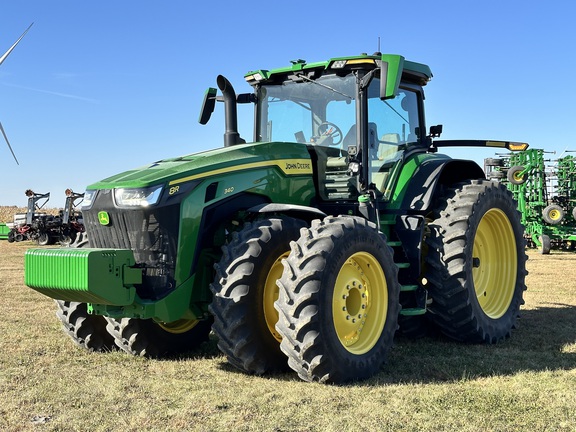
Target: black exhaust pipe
(231, 136)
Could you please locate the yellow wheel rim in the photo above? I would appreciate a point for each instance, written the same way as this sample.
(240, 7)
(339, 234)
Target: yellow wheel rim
(360, 303)
(518, 176)
(554, 214)
(179, 326)
(494, 263)
(271, 295)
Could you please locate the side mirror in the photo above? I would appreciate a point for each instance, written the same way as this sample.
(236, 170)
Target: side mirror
(208, 105)
(391, 67)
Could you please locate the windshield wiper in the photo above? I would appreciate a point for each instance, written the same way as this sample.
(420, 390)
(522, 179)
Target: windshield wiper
(305, 78)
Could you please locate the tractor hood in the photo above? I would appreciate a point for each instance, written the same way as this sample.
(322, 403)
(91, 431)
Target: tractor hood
(294, 159)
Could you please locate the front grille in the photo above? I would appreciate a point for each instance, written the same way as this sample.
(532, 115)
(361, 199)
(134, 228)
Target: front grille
(151, 233)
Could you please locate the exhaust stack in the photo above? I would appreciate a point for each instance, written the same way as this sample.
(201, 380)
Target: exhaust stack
(231, 136)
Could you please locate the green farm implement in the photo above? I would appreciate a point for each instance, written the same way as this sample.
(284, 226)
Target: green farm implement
(545, 190)
(306, 247)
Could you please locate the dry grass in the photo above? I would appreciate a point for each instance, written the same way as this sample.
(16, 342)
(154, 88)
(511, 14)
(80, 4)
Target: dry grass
(7, 212)
(526, 383)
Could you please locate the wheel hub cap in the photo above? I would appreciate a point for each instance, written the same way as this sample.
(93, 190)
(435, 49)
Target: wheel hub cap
(495, 254)
(360, 303)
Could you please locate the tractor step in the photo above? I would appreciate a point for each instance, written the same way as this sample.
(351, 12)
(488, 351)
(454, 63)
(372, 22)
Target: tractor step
(413, 311)
(388, 222)
(394, 243)
(405, 288)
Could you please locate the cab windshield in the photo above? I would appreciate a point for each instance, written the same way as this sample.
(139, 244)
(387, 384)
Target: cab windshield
(299, 111)
(322, 113)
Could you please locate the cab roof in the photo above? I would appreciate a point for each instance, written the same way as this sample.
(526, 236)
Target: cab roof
(408, 71)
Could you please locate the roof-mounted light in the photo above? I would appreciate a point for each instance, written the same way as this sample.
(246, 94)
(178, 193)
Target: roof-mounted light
(254, 77)
(361, 61)
(339, 64)
(516, 146)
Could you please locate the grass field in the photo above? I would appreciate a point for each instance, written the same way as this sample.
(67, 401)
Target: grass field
(527, 383)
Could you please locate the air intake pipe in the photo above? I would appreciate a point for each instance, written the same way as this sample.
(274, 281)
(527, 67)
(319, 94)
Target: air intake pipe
(231, 136)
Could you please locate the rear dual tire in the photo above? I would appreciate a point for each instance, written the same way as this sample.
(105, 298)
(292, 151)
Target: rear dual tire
(476, 263)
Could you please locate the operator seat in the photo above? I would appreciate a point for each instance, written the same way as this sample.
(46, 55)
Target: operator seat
(350, 137)
(386, 159)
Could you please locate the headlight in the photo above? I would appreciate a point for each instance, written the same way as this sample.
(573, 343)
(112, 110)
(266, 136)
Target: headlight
(89, 197)
(139, 197)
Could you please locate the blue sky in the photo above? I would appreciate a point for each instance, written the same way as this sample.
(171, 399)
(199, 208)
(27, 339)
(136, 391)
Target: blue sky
(97, 88)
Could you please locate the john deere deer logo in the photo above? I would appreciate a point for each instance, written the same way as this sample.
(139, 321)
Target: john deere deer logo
(103, 218)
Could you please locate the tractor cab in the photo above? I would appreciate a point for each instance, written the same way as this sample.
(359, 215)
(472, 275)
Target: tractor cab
(358, 117)
(355, 127)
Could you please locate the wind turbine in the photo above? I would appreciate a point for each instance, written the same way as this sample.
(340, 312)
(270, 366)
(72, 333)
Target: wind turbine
(4, 56)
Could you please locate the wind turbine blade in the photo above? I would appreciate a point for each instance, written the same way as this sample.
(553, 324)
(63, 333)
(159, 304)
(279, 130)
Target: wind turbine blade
(8, 142)
(7, 53)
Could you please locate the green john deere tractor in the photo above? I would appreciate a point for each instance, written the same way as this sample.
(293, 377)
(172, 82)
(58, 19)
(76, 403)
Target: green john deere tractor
(306, 247)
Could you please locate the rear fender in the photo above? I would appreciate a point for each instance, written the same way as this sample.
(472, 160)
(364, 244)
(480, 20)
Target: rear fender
(431, 175)
(418, 201)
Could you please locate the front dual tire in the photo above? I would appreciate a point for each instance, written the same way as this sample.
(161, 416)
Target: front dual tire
(244, 292)
(339, 301)
(140, 337)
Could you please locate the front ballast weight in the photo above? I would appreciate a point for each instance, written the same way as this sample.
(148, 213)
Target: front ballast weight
(100, 276)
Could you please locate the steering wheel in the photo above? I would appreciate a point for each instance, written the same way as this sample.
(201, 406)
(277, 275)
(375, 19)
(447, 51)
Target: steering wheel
(330, 129)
